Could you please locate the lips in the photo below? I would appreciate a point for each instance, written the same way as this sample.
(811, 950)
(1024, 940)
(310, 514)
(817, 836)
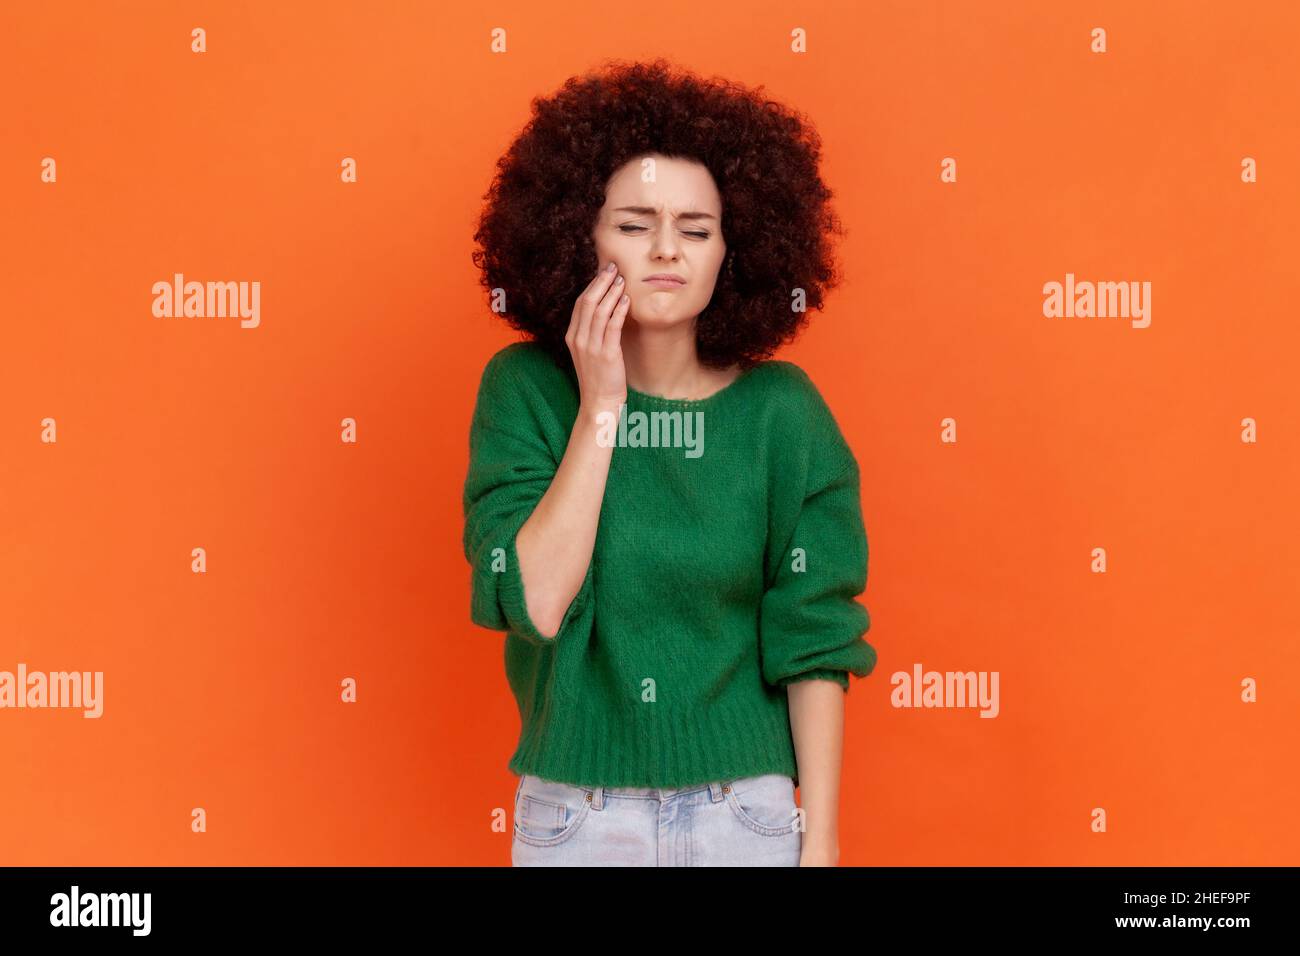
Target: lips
(665, 278)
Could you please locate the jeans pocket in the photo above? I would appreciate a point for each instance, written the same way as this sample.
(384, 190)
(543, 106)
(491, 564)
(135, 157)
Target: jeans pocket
(548, 812)
(764, 803)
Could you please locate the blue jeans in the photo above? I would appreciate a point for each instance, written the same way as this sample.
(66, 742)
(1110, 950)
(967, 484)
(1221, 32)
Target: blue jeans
(750, 821)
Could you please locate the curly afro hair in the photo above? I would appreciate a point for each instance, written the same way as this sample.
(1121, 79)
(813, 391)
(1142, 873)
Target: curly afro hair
(534, 237)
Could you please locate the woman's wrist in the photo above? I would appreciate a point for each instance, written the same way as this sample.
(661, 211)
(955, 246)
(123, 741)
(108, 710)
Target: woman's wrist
(821, 834)
(596, 417)
(593, 407)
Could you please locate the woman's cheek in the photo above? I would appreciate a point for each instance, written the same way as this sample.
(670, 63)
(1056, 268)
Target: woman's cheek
(701, 299)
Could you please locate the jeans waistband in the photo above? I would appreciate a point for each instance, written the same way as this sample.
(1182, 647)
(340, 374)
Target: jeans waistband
(598, 794)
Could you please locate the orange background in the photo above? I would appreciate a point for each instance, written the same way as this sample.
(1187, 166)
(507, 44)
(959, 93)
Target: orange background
(326, 560)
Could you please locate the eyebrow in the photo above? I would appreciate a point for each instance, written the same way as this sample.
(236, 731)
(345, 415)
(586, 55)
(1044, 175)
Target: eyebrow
(650, 210)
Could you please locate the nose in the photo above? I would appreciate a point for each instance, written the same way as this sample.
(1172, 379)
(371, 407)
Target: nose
(665, 245)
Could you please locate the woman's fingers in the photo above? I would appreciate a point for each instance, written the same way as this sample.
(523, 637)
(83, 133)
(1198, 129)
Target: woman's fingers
(594, 337)
(612, 343)
(587, 303)
(600, 318)
(576, 316)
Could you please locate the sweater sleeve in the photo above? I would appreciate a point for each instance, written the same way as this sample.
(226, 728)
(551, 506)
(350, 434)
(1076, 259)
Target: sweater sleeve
(811, 626)
(510, 467)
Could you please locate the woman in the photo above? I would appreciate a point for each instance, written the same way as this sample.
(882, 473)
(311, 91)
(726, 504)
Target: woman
(664, 520)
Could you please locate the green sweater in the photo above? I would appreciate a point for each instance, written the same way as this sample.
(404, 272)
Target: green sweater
(728, 556)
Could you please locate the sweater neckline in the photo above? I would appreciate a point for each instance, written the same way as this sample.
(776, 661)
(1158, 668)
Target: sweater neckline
(647, 398)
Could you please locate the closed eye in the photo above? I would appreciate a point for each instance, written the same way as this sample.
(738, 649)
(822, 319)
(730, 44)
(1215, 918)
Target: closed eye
(630, 228)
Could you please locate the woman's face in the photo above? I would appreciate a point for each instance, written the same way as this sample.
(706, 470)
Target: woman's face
(662, 216)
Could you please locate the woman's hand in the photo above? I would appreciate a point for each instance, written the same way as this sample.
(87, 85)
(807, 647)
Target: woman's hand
(819, 852)
(593, 339)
